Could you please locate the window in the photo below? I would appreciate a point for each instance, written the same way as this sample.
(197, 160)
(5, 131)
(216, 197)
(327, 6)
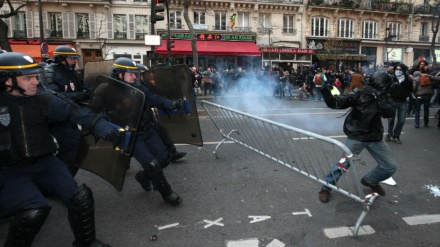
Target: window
(120, 26)
(424, 29)
(320, 26)
(82, 23)
(393, 31)
(345, 28)
(20, 25)
(56, 25)
(175, 19)
(265, 21)
(141, 26)
(243, 22)
(199, 17)
(220, 21)
(288, 24)
(369, 30)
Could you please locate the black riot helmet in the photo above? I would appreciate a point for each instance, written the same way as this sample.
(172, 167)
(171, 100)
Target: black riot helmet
(142, 68)
(13, 64)
(122, 65)
(381, 81)
(62, 52)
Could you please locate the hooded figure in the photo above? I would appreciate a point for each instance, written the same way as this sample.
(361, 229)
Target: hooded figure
(364, 129)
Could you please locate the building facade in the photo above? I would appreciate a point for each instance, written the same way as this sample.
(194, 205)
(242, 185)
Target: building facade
(229, 33)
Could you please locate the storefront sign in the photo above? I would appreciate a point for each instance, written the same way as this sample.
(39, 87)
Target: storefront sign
(336, 46)
(210, 36)
(24, 42)
(288, 50)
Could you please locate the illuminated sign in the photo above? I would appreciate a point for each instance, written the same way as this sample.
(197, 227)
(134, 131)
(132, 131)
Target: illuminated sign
(211, 36)
(288, 50)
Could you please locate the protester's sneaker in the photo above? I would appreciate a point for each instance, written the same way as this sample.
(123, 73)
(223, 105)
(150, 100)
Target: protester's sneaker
(324, 196)
(376, 188)
(396, 140)
(387, 139)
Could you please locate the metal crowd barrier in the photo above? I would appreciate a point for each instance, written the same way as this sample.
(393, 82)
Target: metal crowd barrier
(304, 152)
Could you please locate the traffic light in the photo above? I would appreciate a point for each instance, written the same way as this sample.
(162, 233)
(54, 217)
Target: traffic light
(155, 8)
(170, 44)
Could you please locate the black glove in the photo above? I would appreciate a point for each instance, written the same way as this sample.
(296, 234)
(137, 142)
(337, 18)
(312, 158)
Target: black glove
(370, 91)
(178, 104)
(82, 96)
(116, 137)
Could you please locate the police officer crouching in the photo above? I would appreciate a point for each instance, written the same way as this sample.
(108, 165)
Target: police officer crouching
(27, 163)
(149, 149)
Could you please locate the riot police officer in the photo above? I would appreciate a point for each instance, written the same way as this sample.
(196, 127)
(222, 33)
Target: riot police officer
(149, 149)
(61, 77)
(27, 163)
(175, 155)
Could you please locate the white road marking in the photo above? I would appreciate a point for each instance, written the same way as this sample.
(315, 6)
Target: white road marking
(276, 243)
(258, 218)
(215, 222)
(345, 231)
(168, 226)
(301, 213)
(422, 219)
(253, 242)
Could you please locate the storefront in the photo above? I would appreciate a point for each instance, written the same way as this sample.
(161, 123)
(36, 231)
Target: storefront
(32, 48)
(278, 57)
(221, 50)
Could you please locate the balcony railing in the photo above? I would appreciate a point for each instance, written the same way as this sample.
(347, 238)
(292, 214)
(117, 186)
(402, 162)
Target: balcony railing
(422, 9)
(392, 38)
(82, 35)
(375, 5)
(56, 34)
(140, 36)
(19, 34)
(220, 28)
(424, 38)
(347, 34)
(369, 35)
(120, 35)
(244, 29)
(289, 30)
(276, 1)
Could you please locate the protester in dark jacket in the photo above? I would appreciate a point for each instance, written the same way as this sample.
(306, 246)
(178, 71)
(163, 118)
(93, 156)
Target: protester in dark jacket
(364, 129)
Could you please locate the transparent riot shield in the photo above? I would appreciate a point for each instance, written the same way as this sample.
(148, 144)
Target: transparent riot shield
(94, 69)
(174, 82)
(123, 104)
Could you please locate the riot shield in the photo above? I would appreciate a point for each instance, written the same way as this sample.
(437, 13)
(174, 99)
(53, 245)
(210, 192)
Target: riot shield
(174, 82)
(123, 104)
(94, 69)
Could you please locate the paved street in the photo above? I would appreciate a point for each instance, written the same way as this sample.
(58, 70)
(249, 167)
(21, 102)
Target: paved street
(243, 199)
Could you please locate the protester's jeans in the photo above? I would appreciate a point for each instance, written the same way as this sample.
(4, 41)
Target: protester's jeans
(401, 108)
(422, 99)
(434, 96)
(289, 91)
(380, 151)
(318, 93)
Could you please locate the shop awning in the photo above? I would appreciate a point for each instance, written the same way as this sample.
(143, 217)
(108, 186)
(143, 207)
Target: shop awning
(218, 48)
(32, 50)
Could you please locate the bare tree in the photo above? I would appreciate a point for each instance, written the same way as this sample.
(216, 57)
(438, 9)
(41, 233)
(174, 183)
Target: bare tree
(192, 32)
(333, 51)
(101, 38)
(3, 26)
(434, 7)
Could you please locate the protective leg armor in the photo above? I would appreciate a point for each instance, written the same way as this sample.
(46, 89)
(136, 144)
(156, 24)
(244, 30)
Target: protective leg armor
(25, 227)
(160, 183)
(82, 219)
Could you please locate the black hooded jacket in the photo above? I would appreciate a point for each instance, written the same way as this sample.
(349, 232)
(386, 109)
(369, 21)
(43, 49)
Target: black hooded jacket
(364, 122)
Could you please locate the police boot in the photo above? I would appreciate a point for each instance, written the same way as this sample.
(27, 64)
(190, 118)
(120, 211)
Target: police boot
(161, 184)
(25, 227)
(82, 219)
(177, 156)
(144, 180)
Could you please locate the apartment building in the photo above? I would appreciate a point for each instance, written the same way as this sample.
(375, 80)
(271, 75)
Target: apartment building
(245, 33)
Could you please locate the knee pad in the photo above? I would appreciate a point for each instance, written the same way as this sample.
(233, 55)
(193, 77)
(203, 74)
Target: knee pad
(25, 226)
(154, 167)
